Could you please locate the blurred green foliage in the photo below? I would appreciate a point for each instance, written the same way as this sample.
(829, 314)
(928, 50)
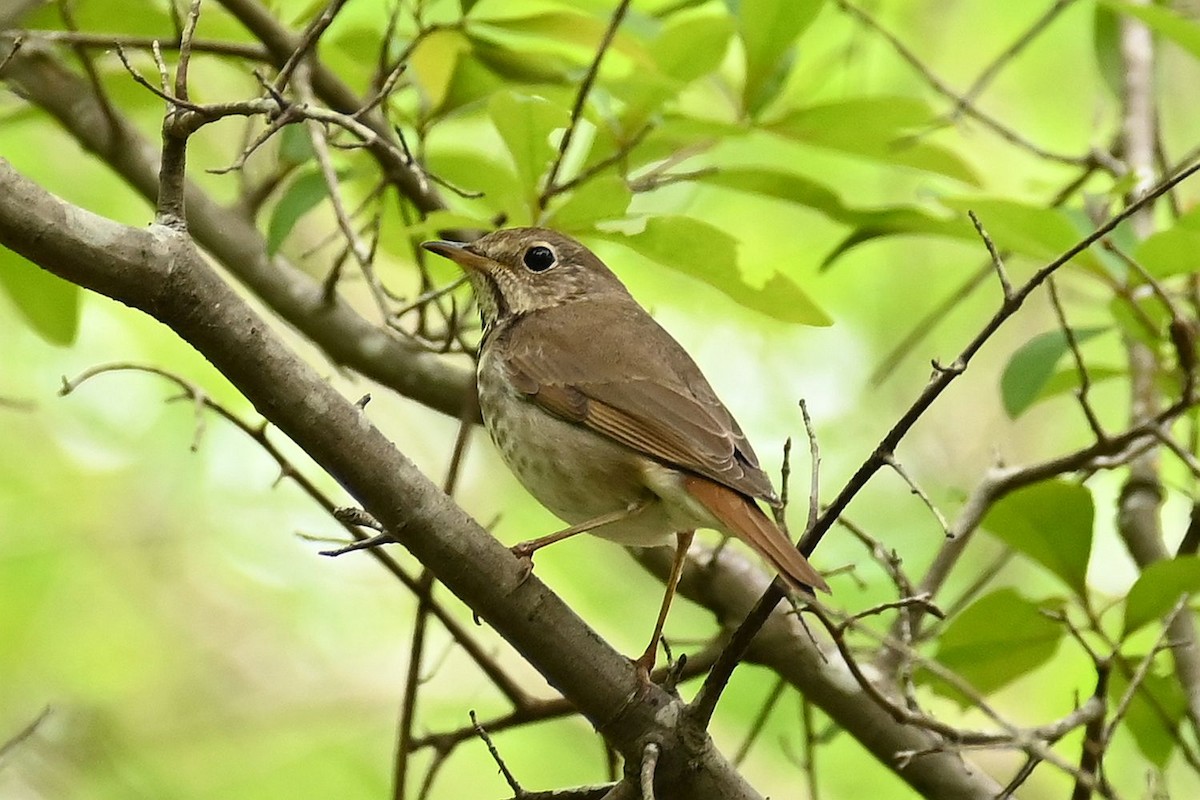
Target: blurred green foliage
(774, 164)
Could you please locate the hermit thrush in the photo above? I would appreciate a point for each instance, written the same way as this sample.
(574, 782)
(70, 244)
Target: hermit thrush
(602, 415)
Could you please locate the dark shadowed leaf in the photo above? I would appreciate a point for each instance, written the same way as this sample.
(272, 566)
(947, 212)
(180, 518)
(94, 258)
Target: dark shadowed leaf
(1166, 22)
(1051, 523)
(1032, 366)
(295, 146)
(47, 302)
(301, 196)
(995, 640)
(1152, 721)
(705, 252)
(1159, 588)
(1106, 44)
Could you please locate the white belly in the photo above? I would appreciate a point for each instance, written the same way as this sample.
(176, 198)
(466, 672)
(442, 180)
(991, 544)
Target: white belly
(579, 474)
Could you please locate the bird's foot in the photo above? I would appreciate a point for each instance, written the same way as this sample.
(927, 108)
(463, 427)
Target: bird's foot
(524, 555)
(643, 666)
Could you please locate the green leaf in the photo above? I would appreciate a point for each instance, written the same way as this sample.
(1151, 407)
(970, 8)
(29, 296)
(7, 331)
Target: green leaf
(878, 128)
(1155, 736)
(1173, 251)
(705, 252)
(295, 146)
(477, 172)
(868, 223)
(768, 29)
(1164, 21)
(1067, 380)
(690, 47)
(554, 28)
(525, 124)
(603, 198)
(519, 66)
(467, 5)
(435, 62)
(47, 302)
(1040, 233)
(301, 196)
(1051, 523)
(1106, 44)
(997, 639)
(1159, 588)
(1032, 366)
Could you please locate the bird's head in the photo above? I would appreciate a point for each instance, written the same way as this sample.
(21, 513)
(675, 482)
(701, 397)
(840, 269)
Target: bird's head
(517, 271)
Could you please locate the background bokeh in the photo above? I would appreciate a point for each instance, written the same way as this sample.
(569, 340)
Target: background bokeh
(189, 642)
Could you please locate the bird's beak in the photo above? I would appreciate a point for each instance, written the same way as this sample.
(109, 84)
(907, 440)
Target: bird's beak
(460, 254)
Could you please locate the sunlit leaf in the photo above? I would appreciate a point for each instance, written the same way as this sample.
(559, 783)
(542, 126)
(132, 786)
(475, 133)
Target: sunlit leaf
(692, 46)
(1173, 251)
(709, 254)
(995, 640)
(603, 198)
(1051, 523)
(1032, 366)
(1035, 231)
(1159, 588)
(525, 123)
(868, 223)
(768, 29)
(434, 63)
(475, 172)
(878, 128)
(554, 28)
(301, 196)
(48, 303)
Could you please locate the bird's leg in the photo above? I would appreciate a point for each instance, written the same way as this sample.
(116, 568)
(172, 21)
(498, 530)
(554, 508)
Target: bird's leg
(645, 662)
(525, 550)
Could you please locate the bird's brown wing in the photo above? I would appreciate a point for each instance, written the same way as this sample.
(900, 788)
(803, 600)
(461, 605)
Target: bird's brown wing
(608, 365)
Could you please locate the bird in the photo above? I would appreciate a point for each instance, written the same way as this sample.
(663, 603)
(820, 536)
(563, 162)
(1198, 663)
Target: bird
(603, 416)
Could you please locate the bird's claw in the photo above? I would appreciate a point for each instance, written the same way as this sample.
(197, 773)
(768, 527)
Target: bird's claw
(524, 558)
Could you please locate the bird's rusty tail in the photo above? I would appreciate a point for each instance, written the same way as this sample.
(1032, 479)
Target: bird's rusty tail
(740, 516)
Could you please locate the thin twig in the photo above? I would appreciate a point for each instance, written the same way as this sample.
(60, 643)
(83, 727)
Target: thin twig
(1085, 383)
(308, 42)
(814, 459)
(997, 260)
(989, 73)
(705, 702)
(487, 740)
(581, 96)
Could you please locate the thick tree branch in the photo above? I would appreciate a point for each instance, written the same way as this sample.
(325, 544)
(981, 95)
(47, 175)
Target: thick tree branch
(159, 271)
(730, 588)
(333, 325)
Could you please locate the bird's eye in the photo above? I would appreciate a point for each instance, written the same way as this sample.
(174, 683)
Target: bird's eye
(539, 258)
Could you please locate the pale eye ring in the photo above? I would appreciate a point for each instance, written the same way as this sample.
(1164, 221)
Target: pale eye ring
(539, 258)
